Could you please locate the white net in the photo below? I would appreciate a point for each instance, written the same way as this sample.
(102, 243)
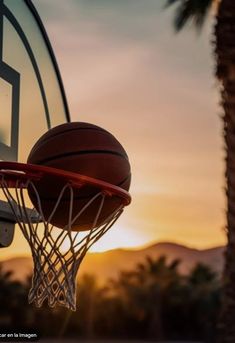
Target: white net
(57, 252)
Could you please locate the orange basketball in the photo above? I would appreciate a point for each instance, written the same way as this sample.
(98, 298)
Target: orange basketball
(85, 149)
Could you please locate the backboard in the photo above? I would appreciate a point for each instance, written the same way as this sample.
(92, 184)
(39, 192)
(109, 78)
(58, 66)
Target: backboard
(32, 97)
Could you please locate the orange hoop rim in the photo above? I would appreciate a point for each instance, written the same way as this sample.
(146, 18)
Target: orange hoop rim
(14, 172)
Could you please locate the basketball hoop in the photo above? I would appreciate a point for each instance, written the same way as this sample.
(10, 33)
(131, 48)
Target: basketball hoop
(58, 252)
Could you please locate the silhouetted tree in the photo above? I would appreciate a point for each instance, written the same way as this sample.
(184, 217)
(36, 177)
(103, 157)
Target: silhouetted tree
(143, 292)
(153, 301)
(13, 300)
(205, 301)
(195, 12)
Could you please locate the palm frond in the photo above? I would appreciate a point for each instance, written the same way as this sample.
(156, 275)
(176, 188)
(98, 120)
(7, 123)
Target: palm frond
(190, 12)
(171, 2)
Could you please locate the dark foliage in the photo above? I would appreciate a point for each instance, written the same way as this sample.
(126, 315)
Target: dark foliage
(190, 11)
(151, 302)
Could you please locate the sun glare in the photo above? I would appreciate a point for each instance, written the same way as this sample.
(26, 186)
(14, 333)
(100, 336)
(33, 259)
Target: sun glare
(117, 237)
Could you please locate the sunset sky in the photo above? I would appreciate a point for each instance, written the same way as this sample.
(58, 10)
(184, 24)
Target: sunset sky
(125, 69)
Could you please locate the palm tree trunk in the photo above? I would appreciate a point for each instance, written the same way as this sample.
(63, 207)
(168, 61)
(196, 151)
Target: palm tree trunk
(225, 54)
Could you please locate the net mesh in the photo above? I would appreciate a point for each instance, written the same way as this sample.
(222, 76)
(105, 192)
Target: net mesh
(57, 253)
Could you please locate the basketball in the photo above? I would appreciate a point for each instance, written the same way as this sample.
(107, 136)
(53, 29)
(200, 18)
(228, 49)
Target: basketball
(85, 149)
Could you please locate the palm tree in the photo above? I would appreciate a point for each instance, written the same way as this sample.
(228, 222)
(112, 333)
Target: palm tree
(158, 277)
(204, 301)
(195, 12)
(145, 291)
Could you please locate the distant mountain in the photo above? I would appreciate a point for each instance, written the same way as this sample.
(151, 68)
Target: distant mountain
(107, 264)
(21, 267)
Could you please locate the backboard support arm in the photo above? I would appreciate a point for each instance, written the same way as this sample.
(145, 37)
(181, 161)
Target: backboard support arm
(7, 222)
(7, 225)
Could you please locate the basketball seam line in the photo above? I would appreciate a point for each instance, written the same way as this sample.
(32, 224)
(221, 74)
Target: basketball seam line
(84, 152)
(69, 130)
